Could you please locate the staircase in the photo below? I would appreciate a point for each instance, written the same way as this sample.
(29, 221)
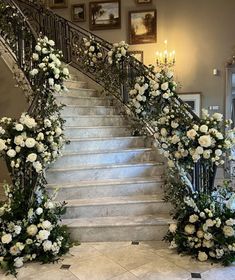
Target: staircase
(110, 179)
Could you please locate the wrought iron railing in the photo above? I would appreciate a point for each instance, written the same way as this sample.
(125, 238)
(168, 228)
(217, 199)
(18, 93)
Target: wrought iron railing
(117, 80)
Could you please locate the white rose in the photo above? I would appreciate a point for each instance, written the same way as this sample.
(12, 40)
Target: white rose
(193, 218)
(40, 136)
(51, 81)
(208, 243)
(173, 228)
(171, 163)
(205, 141)
(218, 152)
(191, 133)
(43, 234)
(33, 72)
(200, 234)
(35, 56)
(39, 211)
(6, 238)
(210, 223)
(17, 229)
(199, 150)
(206, 154)
(37, 48)
(169, 74)
(202, 256)
(49, 205)
(32, 230)
(230, 222)
(30, 143)
(58, 131)
(46, 225)
(47, 245)
(31, 157)
(14, 250)
(51, 43)
(217, 116)
(37, 166)
(203, 128)
(164, 86)
(19, 140)
(65, 71)
(11, 153)
(163, 132)
(19, 127)
(189, 229)
(57, 87)
(174, 124)
(228, 231)
(2, 145)
(18, 262)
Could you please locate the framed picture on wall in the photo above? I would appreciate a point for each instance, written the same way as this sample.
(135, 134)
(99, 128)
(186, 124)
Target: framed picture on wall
(78, 12)
(142, 27)
(143, 1)
(193, 99)
(105, 15)
(58, 4)
(139, 55)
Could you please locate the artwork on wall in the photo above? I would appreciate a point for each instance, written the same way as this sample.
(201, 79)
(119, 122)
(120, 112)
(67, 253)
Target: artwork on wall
(142, 27)
(105, 15)
(143, 1)
(193, 99)
(78, 12)
(58, 4)
(139, 55)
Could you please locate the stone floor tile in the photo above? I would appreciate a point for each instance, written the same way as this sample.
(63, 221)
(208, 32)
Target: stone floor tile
(96, 268)
(160, 269)
(130, 257)
(220, 273)
(186, 262)
(125, 276)
(104, 246)
(56, 274)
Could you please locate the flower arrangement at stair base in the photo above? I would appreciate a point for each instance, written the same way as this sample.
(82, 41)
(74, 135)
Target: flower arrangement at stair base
(29, 220)
(117, 53)
(205, 226)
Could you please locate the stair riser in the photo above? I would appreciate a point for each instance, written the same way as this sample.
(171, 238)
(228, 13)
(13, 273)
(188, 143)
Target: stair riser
(108, 191)
(96, 132)
(118, 233)
(83, 101)
(76, 111)
(106, 158)
(99, 145)
(75, 84)
(113, 210)
(72, 176)
(89, 121)
(82, 93)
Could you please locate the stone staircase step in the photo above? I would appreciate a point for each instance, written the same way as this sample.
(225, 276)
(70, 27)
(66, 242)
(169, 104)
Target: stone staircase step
(75, 110)
(92, 120)
(111, 171)
(104, 157)
(96, 131)
(108, 143)
(72, 84)
(115, 206)
(139, 228)
(81, 92)
(83, 101)
(108, 188)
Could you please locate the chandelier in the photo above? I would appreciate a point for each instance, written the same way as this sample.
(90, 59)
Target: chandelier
(165, 59)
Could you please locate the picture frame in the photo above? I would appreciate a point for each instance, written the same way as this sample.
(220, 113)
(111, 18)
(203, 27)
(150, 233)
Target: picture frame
(105, 15)
(139, 55)
(58, 4)
(193, 99)
(78, 12)
(142, 27)
(143, 1)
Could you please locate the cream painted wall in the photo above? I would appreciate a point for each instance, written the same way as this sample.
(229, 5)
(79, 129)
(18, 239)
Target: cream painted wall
(202, 33)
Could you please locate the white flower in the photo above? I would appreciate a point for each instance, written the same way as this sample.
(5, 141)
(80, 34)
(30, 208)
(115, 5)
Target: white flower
(37, 166)
(230, 222)
(19, 140)
(14, 250)
(202, 256)
(218, 152)
(173, 228)
(38, 48)
(193, 218)
(30, 143)
(163, 132)
(206, 154)
(210, 223)
(40, 136)
(228, 231)
(171, 163)
(164, 86)
(51, 43)
(174, 124)
(43, 234)
(173, 245)
(189, 229)
(39, 211)
(51, 81)
(2, 210)
(47, 245)
(33, 72)
(191, 134)
(58, 131)
(200, 234)
(31, 157)
(203, 128)
(49, 205)
(208, 243)
(169, 74)
(219, 253)
(32, 230)
(18, 262)
(2, 145)
(35, 56)
(65, 71)
(17, 229)
(175, 139)
(92, 48)
(208, 236)
(231, 202)
(217, 116)
(205, 141)
(46, 225)
(57, 87)
(11, 153)
(6, 238)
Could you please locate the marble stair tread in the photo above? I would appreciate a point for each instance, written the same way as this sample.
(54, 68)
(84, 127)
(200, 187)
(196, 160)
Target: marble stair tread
(92, 117)
(110, 181)
(107, 138)
(160, 219)
(104, 166)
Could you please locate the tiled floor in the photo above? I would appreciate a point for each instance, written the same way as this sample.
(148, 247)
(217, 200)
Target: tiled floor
(123, 261)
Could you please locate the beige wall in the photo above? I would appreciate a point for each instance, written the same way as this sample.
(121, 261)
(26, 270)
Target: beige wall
(12, 104)
(202, 33)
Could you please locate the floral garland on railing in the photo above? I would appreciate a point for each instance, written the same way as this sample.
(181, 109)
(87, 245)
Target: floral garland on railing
(118, 53)
(29, 219)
